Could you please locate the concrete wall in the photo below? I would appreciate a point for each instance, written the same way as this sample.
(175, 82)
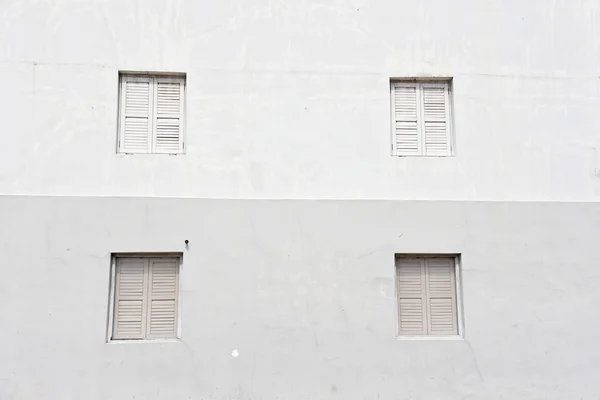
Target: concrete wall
(291, 99)
(304, 291)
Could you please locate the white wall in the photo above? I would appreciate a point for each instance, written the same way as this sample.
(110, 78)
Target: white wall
(304, 291)
(290, 99)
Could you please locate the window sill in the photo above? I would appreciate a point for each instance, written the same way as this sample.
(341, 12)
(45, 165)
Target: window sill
(150, 154)
(422, 156)
(452, 337)
(143, 341)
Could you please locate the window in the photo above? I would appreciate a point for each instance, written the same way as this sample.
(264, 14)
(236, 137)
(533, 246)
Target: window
(151, 114)
(145, 297)
(421, 118)
(426, 290)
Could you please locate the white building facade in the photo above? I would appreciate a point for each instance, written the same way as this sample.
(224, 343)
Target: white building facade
(300, 200)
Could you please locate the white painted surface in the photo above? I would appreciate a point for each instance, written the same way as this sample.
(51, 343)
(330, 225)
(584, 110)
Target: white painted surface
(304, 291)
(291, 99)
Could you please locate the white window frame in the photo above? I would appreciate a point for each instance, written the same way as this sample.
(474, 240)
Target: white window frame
(111, 302)
(458, 293)
(154, 79)
(419, 84)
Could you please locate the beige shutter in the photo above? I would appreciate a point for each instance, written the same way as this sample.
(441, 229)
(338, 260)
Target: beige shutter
(435, 119)
(130, 305)
(136, 111)
(411, 296)
(441, 299)
(168, 125)
(405, 100)
(163, 298)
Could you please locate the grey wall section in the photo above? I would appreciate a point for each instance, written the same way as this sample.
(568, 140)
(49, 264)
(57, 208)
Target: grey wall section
(304, 291)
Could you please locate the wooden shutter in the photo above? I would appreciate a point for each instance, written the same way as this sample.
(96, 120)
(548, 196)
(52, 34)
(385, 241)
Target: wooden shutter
(130, 294)
(441, 296)
(435, 124)
(405, 101)
(168, 120)
(411, 289)
(136, 112)
(163, 297)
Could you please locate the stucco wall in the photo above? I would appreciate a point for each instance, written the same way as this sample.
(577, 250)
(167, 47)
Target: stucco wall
(291, 99)
(304, 291)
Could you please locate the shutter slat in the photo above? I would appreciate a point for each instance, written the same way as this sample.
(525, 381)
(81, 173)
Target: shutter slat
(410, 287)
(168, 123)
(152, 114)
(163, 298)
(441, 296)
(163, 321)
(420, 120)
(146, 298)
(130, 287)
(435, 124)
(412, 324)
(426, 289)
(137, 95)
(405, 109)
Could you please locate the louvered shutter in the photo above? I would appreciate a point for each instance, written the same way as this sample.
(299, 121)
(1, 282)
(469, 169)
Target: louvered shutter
(163, 298)
(136, 114)
(405, 100)
(168, 122)
(130, 299)
(411, 296)
(435, 124)
(441, 296)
